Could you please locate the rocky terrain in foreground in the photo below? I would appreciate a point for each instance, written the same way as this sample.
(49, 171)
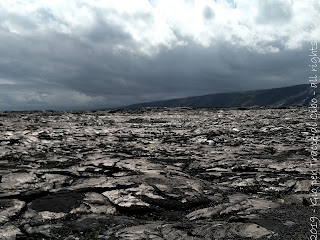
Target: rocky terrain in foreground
(155, 174)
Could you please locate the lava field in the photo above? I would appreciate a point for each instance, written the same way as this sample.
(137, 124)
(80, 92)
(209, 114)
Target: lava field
(171, 173)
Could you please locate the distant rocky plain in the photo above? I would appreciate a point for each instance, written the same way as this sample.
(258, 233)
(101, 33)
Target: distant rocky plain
(169, 173)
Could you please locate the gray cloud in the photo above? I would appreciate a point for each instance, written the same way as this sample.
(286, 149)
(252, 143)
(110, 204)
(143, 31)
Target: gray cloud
(97, 64)
(274, 11)
(208, 13)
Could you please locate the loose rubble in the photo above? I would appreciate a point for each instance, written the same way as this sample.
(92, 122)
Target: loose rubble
(154, 174)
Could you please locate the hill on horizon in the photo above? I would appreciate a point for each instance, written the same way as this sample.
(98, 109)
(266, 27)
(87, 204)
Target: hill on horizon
(297, 95)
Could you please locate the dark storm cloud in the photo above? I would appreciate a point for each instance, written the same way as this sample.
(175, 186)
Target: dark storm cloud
(100, 64)
(190, 70)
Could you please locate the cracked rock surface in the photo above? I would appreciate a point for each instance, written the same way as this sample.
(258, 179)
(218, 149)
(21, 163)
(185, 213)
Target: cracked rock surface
(155, 174)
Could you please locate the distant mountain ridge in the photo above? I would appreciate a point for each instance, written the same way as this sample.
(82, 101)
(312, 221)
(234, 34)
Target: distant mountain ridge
(297, 95)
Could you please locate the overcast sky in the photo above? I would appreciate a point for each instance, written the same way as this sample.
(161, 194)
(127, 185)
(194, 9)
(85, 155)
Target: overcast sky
(73, 54)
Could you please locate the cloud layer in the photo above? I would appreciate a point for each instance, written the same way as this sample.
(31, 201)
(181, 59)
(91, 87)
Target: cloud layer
(79, 54)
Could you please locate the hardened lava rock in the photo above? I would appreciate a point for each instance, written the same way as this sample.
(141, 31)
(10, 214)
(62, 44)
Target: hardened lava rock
(155, 173)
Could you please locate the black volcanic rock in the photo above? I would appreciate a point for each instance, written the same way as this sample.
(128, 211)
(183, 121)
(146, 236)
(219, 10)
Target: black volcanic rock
(170, 173)
(298, 95)
(60, 202)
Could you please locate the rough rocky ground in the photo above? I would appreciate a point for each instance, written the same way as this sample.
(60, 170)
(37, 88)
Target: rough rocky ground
(155, 174)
